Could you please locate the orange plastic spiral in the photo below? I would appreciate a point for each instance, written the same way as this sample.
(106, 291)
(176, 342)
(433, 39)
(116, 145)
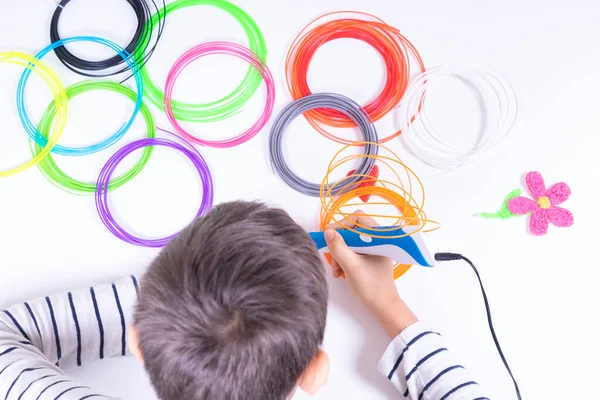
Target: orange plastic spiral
(397, 185)
(393, 47)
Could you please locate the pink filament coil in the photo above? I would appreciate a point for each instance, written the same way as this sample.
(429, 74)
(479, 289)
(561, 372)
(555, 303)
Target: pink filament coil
(229, 48)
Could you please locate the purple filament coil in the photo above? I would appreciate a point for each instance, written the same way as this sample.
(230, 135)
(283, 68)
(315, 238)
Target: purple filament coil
(101, 195)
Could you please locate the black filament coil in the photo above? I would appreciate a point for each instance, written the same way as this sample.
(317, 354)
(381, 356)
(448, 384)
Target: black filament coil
(142, 37)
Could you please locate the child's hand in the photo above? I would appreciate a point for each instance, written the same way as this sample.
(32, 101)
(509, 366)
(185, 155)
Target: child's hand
(370, 277)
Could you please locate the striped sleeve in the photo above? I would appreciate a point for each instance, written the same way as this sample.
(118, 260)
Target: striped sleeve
(420, 366)
(41, 338)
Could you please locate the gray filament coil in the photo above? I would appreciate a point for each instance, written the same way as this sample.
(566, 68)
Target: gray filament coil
(332, 101)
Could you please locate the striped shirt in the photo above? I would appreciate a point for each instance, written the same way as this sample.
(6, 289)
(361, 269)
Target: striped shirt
(421, 367)
(41, 338)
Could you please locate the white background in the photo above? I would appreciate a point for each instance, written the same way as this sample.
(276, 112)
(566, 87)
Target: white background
(543, 290)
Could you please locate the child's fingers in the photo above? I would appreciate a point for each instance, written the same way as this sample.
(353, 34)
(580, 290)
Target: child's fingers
(336, 270)
(335, 265)
(344, 224)
(358, 217)
(345, 257)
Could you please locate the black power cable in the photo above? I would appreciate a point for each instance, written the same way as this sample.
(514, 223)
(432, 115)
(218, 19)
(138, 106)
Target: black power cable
(453, 257)
(141, 37)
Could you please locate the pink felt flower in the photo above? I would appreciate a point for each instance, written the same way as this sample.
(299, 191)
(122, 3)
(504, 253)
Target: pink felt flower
(544, 210)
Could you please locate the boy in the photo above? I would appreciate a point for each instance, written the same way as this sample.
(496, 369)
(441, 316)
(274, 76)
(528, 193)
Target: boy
(233, 308)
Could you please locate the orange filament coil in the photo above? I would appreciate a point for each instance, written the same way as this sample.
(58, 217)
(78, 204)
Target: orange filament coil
(393, 47)
(397, 189)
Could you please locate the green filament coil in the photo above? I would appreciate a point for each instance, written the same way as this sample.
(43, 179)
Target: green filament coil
(228, 105)
(58, 177)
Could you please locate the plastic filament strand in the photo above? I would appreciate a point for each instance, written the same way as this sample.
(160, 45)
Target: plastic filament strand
(394, 48)
(331, 101)
(63, 181)
(228, 48)
(397, 186)
(79, 151)
(60, 99)
(425, 143)
(139, 44)
(102, 186)
(230, 104)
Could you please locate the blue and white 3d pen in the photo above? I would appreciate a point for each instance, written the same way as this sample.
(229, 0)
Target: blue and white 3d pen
(410, 249)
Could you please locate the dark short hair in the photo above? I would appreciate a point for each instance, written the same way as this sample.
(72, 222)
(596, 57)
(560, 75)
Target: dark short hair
(233, 308)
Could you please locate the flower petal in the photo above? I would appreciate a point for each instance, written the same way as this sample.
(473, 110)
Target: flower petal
(560, 217)
(558, 193)
(521, 205)
(535, 184)
(538, 222)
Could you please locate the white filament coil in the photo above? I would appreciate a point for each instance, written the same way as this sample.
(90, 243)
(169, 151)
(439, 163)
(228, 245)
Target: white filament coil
(427, 145)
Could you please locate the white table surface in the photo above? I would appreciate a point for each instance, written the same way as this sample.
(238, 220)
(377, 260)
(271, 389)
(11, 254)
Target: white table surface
(543, 290)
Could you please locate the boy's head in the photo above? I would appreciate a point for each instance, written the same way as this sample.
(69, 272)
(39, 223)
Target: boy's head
(234, 308)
